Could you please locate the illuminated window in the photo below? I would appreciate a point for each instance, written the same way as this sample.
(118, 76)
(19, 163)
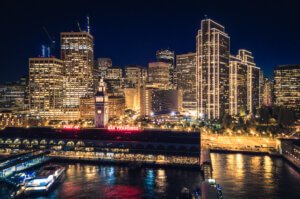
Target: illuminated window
(99, 99)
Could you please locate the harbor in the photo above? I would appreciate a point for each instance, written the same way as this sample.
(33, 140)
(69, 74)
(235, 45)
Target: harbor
(255, 179)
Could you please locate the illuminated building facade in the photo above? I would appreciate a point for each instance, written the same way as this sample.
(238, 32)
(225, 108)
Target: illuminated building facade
(146, 100)
(116, 106)
(261, 87)
(237, 86)
(287, 87)
(104, 145)
(134, 76)
(13, 96)
(253, 80)
(101, 106)
(132, 98)
(186, 76)
(87, 108)
(101, 65)
(166, 101)
(45, 87)
(114, 79)
(77, 54)
(158, 73)
(212, 70)
(268, 92)
(168, 56)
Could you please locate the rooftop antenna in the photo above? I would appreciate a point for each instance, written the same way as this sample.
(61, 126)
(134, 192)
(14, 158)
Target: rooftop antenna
(79, 26)
(88, 23)
(205, 16)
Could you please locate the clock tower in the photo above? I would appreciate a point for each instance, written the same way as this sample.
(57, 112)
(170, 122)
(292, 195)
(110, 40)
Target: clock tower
(101, 106)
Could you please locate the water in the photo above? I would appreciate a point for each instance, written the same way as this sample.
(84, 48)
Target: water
(255, 177)
(241, 176)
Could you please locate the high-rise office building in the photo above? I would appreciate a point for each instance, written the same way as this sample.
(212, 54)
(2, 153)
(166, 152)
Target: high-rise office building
(212, 71)
(268, 97)
(146, 99)
(261, 87)
(133, 76)
(166, 101)
(87, 108)
(168, 56)
(101, 66)
(116, 105)
(237, 86)
(287, 86)
(253, 80)
(13, 96)
(114, 79)
(77, 54)
(158, 73)
(45, 87)
(186, 76)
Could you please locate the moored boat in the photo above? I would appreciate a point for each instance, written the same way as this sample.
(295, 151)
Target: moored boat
(46, 178)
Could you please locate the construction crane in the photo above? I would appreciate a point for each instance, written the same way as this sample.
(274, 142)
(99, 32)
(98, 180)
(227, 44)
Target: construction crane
(88, 24)
(52, 42)
(79, 26)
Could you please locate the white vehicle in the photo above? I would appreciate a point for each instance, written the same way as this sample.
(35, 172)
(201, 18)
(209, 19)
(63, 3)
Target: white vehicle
(46, 178)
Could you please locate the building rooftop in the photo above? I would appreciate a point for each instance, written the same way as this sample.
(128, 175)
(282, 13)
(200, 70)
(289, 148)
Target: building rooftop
(288, 66)
(160, 136)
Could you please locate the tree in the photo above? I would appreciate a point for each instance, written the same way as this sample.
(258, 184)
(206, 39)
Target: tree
(226, 121)
(241, 121)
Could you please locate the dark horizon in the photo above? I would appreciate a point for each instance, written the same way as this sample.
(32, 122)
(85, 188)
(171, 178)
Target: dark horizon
(130, 32)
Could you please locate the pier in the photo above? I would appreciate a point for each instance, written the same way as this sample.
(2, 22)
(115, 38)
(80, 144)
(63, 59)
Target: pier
(17, 163)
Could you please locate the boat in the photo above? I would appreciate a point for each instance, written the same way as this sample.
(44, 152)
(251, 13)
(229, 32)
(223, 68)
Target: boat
(20, 179)
(46, 178)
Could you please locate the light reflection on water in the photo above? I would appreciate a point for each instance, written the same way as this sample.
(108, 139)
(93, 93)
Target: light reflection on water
(241, 176)
(248, 176)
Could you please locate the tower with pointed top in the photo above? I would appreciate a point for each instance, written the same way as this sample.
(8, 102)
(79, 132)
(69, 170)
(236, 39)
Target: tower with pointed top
(101, 106)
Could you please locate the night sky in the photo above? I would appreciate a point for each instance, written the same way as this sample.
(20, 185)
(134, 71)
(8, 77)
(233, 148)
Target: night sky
(130, 32)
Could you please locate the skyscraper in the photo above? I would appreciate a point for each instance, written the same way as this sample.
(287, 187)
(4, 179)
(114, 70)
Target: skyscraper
(237, 86)
(134, 80)
(158, 73)
(212, 71)
(114, 79)
(253, 80)
(133, 76)
(77, 54)
(268, 98)
(166, 101)
(287, 86)
(13, 96)
(168, 56)
(45, 87)
(101, 65)
(186, 76)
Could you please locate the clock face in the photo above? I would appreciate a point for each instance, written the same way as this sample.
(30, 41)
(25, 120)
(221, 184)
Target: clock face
(99, 111)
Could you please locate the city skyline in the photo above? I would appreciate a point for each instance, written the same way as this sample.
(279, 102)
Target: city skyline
(145, 35)
(149, 99)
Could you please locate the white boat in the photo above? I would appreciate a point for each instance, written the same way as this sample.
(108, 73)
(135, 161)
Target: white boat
(46, 178)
